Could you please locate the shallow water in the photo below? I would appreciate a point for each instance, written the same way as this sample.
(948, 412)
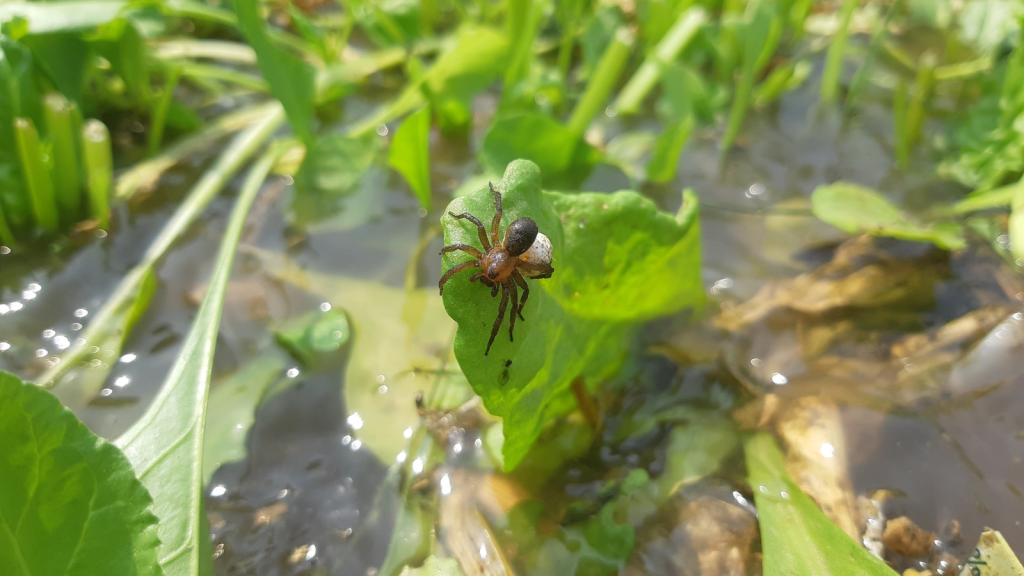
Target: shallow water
(314, 481)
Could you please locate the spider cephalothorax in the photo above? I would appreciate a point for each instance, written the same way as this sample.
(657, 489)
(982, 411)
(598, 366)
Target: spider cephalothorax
(524, 251)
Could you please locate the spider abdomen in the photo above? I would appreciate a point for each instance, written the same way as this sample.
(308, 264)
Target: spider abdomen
(540, 253)
(520, 236)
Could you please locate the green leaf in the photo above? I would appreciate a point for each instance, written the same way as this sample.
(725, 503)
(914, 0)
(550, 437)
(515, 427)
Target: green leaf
(234, 401)
(560, 154)
(292, 80)
(315, 335)
(70, 504)
(469, 66)
(166, 445)
(796, 537)
(696, 450)
(855, 209)
(63, 58)
(618, 261)
(410, 154)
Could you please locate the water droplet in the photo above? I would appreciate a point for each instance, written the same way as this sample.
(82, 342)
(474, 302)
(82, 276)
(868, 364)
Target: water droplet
(48, 333)
(15, 306)
(75, 326)
(41, 353)
(311, 553)
(779, 379)
(81, 313)
(478, 443)
(292, 372)
(122, 381)
(128, 358)
(382, 389)
(483, 551)
(4, 309)
(34, 287)
(346, 440)
(100, 233)
(355, 421)
(446, 485)
(218, 491)
(828, 450)
(357, 444)
(62, 342)
(407, 433)
(5, 346)
(401, 457)
(611, 112)
(755, 361)
(380, 378)
(382, 130)
(417, 466)
(106, 392)
(325, 307)
(457, 448)
(5, 250)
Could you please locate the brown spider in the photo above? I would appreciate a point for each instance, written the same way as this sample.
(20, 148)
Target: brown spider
(504, 264)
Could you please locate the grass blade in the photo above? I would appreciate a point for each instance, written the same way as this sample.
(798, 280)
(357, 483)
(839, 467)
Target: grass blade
(667, 50)
(234, 156)
(607, 74)
(165, 446)
(37, 177)
(99, 169)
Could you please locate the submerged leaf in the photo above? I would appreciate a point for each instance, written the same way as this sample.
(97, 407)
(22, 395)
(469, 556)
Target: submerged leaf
(315, 335)
(410, 154)
(70, 504)
(618, 261)
(234, 401)
(796, 538)
(858, 210)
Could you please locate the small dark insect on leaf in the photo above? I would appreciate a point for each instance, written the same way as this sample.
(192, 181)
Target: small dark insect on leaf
(502, 267)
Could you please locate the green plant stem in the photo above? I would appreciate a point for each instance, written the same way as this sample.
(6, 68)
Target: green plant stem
(522, 17)
(207, 72)
(727, 45)
(6, 236)
(900, 125)
(172, 471)
(222, 50)
(241, 148)
(860, 78)
(667, 50)
(603, 81)
(1015, 225)
(158, 118)
(99, 169)
(924, 83)
(37, 177)
(836, 50)
(60, 128)
(144, 175)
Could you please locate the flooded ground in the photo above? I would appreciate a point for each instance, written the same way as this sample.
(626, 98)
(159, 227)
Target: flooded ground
(307, 499)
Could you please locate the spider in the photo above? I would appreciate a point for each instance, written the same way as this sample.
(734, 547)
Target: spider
(523, 252)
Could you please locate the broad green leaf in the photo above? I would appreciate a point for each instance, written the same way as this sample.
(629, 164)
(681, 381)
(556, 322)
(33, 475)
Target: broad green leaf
(618, 261)
(410, 154)
(166, 445)
(54, 17)
(63, 58)
(469, 66)
(234, 401)
(796, 537)
(70, 504)
(855, 209)
(562, 157)
(314, 336)
(292, 81)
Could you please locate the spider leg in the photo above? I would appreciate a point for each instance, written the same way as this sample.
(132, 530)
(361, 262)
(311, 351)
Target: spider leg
(501, 316)
(546, 269)
(480, 230)
(455, 270)
(464, 247)
(496, 222)
(494, 290)
(526, 291)
(511, 287)
(476, 276)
